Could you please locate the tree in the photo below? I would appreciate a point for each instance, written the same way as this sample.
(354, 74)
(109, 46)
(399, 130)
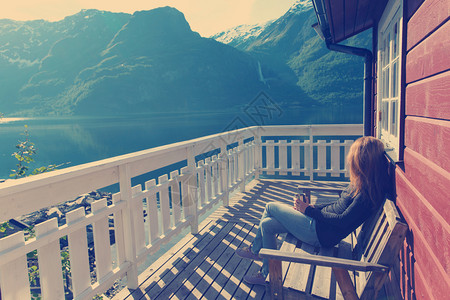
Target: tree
(24, 155)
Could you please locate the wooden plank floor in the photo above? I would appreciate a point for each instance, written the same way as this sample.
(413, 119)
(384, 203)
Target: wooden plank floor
(204, 266)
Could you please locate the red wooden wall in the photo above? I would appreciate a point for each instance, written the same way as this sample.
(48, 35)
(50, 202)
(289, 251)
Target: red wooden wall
(423, 180)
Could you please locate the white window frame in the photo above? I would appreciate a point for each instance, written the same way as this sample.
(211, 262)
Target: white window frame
(389, 93)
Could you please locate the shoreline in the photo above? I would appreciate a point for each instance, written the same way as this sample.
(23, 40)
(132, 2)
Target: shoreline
(9, 120)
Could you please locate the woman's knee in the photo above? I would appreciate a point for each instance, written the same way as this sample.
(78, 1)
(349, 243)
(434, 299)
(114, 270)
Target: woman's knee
(271, 206)
(266, 225)
(271, 225)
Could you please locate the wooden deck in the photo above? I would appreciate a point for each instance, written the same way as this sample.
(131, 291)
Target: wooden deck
(204, 266)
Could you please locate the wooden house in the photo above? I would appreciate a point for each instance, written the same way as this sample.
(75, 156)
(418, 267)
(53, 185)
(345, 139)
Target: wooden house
(407, 105)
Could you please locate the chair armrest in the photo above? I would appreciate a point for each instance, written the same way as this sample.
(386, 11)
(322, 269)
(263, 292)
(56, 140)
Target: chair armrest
(319, 260)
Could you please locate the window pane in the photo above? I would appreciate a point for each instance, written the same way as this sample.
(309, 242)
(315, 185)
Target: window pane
(395, 41)
(394, 82)
(386, 83)
(385, 115)
(381, 61)
(388, 49)
(394, 112)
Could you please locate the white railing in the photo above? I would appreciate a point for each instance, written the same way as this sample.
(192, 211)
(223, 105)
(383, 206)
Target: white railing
(172, 201)
(314, 150)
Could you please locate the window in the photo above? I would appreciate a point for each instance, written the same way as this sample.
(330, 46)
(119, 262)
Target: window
(389, 67)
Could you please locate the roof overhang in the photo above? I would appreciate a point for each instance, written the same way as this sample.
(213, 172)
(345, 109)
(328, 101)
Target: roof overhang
(340, 19)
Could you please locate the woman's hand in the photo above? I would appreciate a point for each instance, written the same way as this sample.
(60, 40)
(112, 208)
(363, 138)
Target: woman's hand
(299, 204)
(296, 201)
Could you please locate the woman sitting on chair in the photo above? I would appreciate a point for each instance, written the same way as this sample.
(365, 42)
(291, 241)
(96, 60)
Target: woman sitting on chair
(326, 225)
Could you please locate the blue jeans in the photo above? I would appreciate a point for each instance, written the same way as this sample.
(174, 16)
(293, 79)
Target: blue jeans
(281, 218)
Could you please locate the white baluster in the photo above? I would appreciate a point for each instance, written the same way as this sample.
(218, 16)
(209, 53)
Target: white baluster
(101, 241)
(235, 171)
(236, 164)
(335, 158)
(209, 187)
(309, 153)
(201, 182)
(295, 157)
(14, 283)
(242, 162)
(215, 175)
(249, 160)
(257, 156)
(282, 154)
(118, 232)
(175, 189)
(224, 183)
(347, 145)
(270, 157)
(152, 210)
(78, 253)
(252, 150)
(188, 193)
(246, 158)
(321, 157)
(138, 213)
(230, 174)
(49, 256)
(164, 202)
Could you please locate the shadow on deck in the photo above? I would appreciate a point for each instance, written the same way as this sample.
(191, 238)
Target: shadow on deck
(204, 266)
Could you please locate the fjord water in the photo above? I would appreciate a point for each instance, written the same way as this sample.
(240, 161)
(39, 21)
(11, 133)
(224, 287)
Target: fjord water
(78, 140)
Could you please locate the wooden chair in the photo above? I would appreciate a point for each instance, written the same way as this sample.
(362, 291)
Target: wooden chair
(359, 264)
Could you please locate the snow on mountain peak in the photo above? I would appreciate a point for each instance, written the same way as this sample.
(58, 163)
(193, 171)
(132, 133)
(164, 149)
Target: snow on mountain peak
(300, 6)
(244, 33)
(241, 32)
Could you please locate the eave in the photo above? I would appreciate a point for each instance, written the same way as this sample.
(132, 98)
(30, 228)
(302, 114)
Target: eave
(341, 19)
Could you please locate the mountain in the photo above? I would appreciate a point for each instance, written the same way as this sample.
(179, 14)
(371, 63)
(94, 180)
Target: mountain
(40, 59)
(290, 50)
(97, 62)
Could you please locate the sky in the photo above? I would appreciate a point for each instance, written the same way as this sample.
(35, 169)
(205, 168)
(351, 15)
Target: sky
(205, 16)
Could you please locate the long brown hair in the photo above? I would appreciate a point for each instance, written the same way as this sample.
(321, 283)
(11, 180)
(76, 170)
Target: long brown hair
(368, 168)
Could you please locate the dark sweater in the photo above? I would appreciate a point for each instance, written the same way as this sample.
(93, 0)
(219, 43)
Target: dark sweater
(337, 220)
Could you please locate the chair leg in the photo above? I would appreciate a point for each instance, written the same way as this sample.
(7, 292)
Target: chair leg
(276, 282)
(345, 284)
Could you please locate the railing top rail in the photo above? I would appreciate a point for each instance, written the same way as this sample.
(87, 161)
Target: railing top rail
(79, 170)
(321, 129)
(308, 126)
(68, 183)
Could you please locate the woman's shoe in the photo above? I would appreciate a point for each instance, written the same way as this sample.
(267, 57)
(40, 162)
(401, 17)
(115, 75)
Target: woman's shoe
(246, 252)
(256, 278)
